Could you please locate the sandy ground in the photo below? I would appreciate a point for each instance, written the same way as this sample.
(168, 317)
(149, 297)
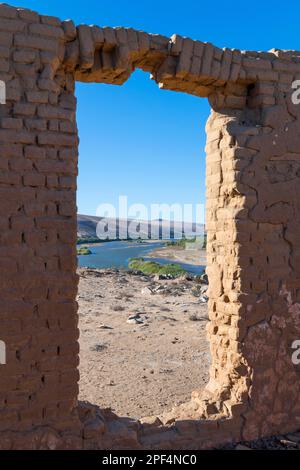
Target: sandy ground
(189, 255)
(143, 365)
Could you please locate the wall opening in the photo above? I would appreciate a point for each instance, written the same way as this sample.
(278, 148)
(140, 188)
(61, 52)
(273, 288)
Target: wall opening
(143, 345)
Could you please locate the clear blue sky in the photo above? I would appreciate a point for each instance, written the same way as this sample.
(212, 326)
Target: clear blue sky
(137, 140)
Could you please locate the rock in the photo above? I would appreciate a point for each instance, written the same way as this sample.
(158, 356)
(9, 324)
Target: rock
(159, 288)
(201, 279)
(147, 291)
(151, 421)
(135, 272)
(117, 308)
(203, 299)
(242, 447)
(50, 440)
(200, 291)
(289, 443)
(94, 428)
(98, 347)
(194, 317)
(204, 289)
(186, 277)
(294, 437)
(165, 276)
(135, 319)
(196, 291)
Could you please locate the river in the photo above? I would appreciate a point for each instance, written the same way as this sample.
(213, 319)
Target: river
(116, 254)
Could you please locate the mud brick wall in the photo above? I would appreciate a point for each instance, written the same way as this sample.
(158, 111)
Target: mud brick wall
(253, 221)
(38, 161)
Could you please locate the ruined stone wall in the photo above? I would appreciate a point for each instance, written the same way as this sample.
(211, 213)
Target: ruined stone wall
(38, 161)
(253, 169)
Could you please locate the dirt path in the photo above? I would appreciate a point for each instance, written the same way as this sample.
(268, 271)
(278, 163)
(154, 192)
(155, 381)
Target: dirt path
(144, 365)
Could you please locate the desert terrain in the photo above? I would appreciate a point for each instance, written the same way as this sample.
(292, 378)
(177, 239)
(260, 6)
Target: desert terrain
(142, 340)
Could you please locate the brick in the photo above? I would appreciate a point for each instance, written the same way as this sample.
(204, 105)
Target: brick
(26, 70)
(49, 58)
(69, 29)
(225, 65)
(34, 179)
(185, 58)
(21, 40)
(28, 15)
(4, 65)
(4, 164)
(68, 154)
(98, 35)
(37, 96)
(48, 85)
(51, 20)
(11, 150)
(24, 56)
(11, 25)
(24, 109)
(54, 112)
(67, 208)
(68, 127)
(53, 125)
(46, 30)
(86, 46)
(12, 93)
(12, 136)
(72, 55)
(67, 182)
(20, 164)
(4, 52)
(34, 152)
(58, 167)
(7, 11)
(207, 60)
(36, 124)
(68, 101)
(52, 153)
(9, 177)
(52, 181)
(6, 38)
(51, 138)
(11, 123)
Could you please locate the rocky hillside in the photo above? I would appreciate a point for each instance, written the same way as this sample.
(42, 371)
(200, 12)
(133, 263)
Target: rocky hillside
(86, 227)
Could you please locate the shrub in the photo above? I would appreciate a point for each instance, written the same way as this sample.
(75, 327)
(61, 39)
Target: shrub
(152, 267)
(83, 251)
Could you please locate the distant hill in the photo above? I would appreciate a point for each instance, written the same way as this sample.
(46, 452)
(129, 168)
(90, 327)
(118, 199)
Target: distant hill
(86, 227)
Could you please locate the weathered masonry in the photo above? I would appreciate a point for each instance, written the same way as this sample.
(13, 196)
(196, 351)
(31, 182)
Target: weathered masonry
(253, 223)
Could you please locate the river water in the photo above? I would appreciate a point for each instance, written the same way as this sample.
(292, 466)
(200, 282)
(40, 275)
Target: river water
(116, 254)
